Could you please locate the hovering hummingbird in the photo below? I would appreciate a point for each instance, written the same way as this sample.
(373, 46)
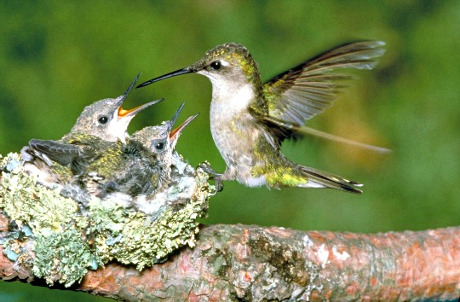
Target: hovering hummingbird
(99, 126)
(250, 120)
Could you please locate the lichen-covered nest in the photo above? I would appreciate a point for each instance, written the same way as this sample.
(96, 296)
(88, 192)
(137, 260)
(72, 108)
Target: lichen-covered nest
(62, 238)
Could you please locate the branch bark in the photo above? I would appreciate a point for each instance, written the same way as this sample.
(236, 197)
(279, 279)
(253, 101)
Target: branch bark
(251, 263)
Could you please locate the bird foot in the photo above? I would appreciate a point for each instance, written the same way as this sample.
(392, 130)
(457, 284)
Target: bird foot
(215, 176)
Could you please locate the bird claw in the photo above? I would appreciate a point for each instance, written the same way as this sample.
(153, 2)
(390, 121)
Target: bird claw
(219, 185)
(206, 167)
(215, 176)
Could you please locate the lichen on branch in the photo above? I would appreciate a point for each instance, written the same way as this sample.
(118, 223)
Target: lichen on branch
(62, 238)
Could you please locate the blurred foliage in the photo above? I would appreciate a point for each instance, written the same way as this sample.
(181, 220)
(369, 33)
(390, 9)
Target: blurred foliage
(58, 56)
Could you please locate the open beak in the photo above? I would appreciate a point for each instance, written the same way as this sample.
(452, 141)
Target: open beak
(131, 86)
(168, 75)
(176, 115)
(175, 133)
(122, 113)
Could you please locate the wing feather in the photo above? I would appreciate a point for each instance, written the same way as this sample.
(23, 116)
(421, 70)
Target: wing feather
(282, 130)
(59, 152)
(306, 90)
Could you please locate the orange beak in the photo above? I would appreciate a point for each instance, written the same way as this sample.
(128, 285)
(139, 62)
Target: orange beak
(178, 130)
(122, 113)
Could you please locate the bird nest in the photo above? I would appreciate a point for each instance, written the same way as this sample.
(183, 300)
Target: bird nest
(62, 238)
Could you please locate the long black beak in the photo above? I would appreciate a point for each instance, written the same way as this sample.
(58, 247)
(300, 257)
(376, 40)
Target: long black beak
(166, 76)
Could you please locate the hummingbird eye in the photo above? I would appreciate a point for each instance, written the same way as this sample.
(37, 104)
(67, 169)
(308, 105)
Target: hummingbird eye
(103, 120)
(158, 145)
(216, 65)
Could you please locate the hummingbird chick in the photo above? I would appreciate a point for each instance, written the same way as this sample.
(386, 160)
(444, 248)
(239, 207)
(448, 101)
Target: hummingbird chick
(123, 168)
(250, 120)
(162, 139)
(99, 126)
(136, 170)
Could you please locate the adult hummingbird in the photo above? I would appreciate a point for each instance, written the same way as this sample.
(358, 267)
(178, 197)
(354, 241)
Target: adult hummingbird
(250, 120)
(100, 125)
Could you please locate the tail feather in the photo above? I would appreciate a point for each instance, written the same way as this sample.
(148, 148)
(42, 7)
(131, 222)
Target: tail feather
(317, 178)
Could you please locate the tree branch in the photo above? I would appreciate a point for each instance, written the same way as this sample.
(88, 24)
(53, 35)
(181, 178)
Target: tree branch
(251, 263)
(46, 235)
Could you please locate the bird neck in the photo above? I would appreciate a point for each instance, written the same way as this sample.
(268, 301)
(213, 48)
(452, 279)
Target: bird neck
(229, 99)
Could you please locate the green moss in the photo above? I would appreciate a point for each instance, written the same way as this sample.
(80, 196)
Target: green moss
(62, 241)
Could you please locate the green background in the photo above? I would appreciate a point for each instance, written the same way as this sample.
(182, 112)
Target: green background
(58, 56)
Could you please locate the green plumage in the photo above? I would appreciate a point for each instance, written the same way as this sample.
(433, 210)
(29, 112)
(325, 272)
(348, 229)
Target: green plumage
(93, 150)
(123, 168)
(250, 120)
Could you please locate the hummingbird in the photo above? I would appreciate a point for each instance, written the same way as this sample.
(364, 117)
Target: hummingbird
(136, 170)
(98, 127)
(162, 139)
(250, 119)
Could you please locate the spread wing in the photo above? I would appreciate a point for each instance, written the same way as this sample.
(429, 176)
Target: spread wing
(308, 89)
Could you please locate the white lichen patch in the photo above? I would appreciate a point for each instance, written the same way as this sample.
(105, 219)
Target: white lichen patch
(323, 255)
(342, 256)
(307, 241)
(67, 238)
